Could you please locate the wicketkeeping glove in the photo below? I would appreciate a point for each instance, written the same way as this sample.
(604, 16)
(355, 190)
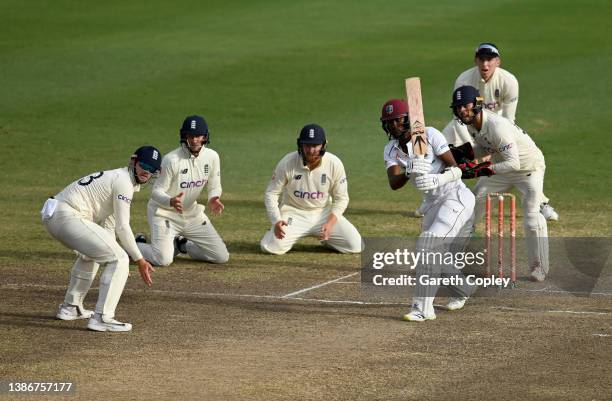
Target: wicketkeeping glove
(473, 170)
(463, 153)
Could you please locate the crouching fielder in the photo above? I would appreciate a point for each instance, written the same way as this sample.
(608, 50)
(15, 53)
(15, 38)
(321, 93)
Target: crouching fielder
(85, 217)
(314, 192)
(448, 203)
(516, 162)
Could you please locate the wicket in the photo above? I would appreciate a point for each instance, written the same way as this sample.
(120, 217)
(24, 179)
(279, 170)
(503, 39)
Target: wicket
(500, 235)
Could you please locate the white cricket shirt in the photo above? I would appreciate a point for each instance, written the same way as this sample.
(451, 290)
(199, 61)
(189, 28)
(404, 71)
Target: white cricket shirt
(304, 189)
(104, 197)
(183, 172)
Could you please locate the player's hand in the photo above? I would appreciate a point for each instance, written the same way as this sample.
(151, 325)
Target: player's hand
(326, 231)
(418, 166)
(177, 202)
(145, 270)
(215, 205)
(427, 182)
(473, 170)
(278, 229)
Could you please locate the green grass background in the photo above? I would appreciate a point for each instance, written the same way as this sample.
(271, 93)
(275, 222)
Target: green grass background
(83, 84)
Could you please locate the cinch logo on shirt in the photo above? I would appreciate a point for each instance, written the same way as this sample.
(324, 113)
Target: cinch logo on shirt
(192, 184)
(124, 198)
(308, 195)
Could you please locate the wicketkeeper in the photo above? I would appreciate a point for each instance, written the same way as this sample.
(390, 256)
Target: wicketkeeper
(516, 162)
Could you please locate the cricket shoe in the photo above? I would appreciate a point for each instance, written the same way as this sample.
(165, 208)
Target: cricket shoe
(549, 212)
(417, 316)
(537, 274)
(72, 312)
(456, 303)
(140, 238)
(97, 323)
(180, 245)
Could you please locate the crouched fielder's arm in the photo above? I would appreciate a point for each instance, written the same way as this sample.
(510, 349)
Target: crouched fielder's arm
(273, 191)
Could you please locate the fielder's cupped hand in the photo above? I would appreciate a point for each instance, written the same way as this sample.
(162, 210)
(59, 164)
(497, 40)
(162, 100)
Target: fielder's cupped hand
(427, 182)
(278, 229)
(418, 166)
(177, 202)
(215, 205)
(145, 270)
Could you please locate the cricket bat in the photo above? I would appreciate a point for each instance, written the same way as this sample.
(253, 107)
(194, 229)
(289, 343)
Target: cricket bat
(416, 117)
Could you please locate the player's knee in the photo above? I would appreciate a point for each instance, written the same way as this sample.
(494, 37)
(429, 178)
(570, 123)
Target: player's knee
(271, 249)
(162, 259)
(220, 258)
(354, 245)
(531, 221)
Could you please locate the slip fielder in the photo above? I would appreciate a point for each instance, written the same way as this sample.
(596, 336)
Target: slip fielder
(177, 221)
(87, 216)
(500, 92)
(314, 192)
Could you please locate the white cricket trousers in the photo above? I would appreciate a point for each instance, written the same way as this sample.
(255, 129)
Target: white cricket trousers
(530, 186)
(446, 227)
(95, 246)
(204, 243)
(344, 237)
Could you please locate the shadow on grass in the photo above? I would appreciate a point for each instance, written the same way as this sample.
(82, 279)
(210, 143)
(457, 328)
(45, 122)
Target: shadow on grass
(35, 320)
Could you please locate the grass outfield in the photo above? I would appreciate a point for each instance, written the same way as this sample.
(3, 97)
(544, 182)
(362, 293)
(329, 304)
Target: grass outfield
(83, 84)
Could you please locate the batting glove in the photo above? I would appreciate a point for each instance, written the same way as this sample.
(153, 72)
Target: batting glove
(432, 181)
(417, 166)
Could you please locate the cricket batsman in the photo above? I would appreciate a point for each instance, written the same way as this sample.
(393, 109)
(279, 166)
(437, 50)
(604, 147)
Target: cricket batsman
(448, 204)
(86, 217)
(516, 162)
(314, 192)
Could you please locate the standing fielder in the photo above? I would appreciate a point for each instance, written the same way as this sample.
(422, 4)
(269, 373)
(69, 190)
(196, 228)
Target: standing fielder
(448, 204)
(177, 222)
(314, 197)
(500, 92)
(85, 217)
(516, 162)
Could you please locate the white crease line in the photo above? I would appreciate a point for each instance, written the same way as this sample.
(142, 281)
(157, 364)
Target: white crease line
(600, 335)
(579, 312)
(319, 285)
(284, 298)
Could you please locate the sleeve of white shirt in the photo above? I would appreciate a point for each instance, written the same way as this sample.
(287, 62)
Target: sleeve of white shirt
(437, 141)
(162, 183)
(339, 189)
(510, 100)
(214, 181)
(121, 208)
(273, 191)
(389, 161)
(507, 149)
